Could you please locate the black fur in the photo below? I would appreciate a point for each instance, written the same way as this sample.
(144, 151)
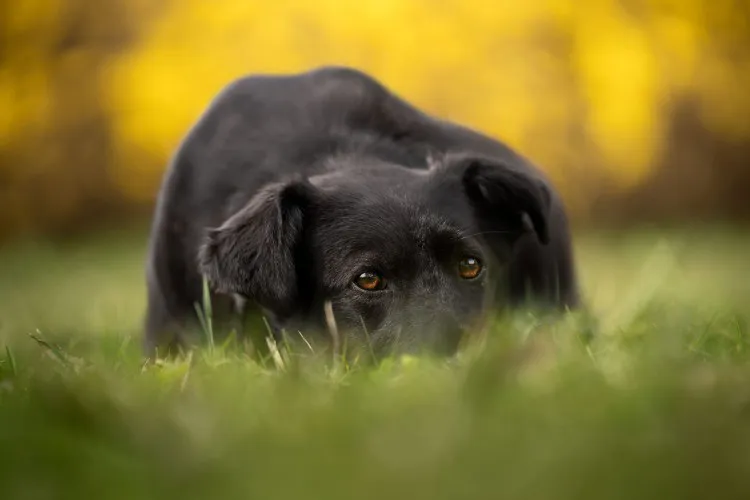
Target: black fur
(290, 186)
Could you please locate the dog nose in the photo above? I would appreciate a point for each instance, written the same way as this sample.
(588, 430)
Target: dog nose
(447, 336)
(433, 328)
(437, 335)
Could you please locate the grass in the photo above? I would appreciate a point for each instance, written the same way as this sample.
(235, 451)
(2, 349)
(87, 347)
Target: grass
(656, 406)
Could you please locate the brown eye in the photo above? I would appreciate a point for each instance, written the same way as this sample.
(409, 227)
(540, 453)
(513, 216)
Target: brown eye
(469, 268)
(370, 281)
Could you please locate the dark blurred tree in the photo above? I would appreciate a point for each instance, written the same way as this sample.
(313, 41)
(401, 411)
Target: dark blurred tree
(54, 163)
(703, 171)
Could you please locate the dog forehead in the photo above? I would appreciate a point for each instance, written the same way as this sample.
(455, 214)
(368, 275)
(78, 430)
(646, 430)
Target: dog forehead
(385, 218)
(378, 203)
(390, 235)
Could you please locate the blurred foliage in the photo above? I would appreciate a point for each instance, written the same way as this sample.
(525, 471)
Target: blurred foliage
(655, 407)
(636, 108)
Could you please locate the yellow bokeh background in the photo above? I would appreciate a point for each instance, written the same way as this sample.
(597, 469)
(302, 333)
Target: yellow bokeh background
(586, 89)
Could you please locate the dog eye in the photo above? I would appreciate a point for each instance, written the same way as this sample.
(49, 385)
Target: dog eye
(469, 268)
(370, 281)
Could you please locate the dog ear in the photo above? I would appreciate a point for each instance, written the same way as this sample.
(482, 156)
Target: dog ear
(253, 252)
(519, 198)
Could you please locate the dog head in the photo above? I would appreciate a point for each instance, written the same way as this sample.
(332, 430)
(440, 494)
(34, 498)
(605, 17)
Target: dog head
(403, 255)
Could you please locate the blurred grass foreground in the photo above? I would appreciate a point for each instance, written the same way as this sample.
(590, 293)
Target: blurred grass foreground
(656, 406)
(637, 110)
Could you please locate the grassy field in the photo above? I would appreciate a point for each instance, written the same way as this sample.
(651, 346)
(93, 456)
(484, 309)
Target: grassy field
(656, 406)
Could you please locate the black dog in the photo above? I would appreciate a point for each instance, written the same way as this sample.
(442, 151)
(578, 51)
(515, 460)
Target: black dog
(292, 191)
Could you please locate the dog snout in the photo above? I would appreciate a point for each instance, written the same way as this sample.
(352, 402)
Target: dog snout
(447, 335)
(435, 331)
